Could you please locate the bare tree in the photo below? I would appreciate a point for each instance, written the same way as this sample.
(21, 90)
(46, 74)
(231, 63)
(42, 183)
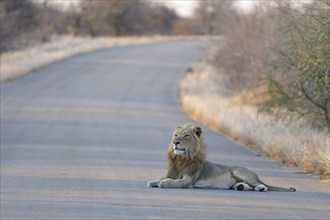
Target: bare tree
(117, 18)
(26, 22)
(16, 17)
(213, 16)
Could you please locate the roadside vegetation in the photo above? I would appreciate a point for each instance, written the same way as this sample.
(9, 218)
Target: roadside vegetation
(267, 85)
(30, 22)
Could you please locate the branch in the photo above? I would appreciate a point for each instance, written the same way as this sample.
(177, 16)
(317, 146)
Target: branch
(324, 108)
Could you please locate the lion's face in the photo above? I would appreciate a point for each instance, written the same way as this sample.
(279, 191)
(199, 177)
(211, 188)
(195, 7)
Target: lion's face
(186, 140)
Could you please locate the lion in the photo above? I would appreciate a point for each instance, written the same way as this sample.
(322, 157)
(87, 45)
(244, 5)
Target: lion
(188, 167)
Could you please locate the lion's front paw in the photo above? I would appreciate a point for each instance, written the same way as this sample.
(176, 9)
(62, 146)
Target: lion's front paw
(165, 183)
(152, 184)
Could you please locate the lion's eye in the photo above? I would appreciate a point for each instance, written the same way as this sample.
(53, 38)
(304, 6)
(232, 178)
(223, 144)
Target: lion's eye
(175, 135)
(187, 135)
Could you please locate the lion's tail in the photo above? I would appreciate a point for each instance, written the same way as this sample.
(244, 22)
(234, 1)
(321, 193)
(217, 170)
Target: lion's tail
(280, 189)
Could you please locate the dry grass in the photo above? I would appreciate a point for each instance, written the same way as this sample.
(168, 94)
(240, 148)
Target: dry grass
(237, 116)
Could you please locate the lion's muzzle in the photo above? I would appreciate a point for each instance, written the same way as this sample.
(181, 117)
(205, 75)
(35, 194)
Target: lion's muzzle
(178, 150)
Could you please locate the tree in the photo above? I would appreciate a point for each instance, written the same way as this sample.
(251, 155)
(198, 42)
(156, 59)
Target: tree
(25, 22)
(300, 82)
(213, 16)
(16, 17)
(118, 18)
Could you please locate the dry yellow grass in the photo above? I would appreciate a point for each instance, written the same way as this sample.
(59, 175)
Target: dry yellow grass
(294, 144)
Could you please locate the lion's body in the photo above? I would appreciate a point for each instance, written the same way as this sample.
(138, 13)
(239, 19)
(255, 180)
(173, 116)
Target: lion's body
(188, 167)
(215, 176)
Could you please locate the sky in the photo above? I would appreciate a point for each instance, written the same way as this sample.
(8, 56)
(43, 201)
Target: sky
(186, 8)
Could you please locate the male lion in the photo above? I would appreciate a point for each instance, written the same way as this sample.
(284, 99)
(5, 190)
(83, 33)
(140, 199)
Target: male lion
(188, 167)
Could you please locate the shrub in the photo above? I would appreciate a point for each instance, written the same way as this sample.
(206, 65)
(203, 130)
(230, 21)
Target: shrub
(247, 38)
(300, 78)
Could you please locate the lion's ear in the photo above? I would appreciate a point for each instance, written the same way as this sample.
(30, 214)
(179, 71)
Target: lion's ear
(197, 131)
(177, 128)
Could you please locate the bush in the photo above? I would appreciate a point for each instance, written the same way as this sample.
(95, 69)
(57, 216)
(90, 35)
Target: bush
(120, 18)
(289, 46)
(300, 77)
(247, 39)
(25, 23)
(28, 22)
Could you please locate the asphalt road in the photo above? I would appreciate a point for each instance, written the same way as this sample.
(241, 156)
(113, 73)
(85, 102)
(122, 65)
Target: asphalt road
(81, 138)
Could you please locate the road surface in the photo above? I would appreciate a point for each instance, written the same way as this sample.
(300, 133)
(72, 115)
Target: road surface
(81, 138)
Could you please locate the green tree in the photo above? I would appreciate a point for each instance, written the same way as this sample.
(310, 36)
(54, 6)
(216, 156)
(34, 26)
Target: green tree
(300, 80)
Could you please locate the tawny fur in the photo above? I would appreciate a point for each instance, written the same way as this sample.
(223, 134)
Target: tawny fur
(190, 164)
(188, 167)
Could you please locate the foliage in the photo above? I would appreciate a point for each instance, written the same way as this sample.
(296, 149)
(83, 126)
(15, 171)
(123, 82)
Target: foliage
(119, 18)
(300, 78)
(23, 22)
(247, 37)
(28, 22)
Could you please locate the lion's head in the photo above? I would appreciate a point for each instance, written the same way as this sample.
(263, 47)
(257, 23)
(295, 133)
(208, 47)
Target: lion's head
(187, 142)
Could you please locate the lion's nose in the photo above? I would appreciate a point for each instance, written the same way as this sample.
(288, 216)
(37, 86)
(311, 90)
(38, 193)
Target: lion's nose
(176, 142)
